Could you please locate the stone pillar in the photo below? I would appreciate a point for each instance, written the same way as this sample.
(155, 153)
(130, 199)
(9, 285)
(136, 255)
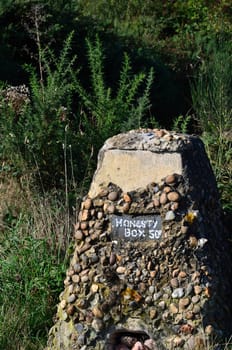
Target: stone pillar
(151, 264)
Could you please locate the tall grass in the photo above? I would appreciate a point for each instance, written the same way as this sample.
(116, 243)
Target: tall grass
(32, 267)
(211, 94)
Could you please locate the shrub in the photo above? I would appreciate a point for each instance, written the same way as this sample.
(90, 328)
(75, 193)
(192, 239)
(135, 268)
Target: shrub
(36, 135)
(106, 112)
(211, 95)
(51, 140)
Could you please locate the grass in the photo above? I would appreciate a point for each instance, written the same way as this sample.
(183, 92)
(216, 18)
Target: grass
(32, 269)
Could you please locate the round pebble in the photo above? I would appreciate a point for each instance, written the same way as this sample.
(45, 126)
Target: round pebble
(163, 198)
(170, 179)
(112, 196)
(196, 309)
(111, 209)
(173, 196)
(183, 303)
(71, 298)
(197, 289)
(170, 215)
(178, 293)
(174, 283)
(182, 274)
(78, 235)
(79, 327)
(121, 269)
(76, 278)
(162, 304)
(173, 308)
(195, 299)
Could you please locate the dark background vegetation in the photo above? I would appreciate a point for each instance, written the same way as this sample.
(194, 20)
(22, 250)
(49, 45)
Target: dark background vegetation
(94, 69)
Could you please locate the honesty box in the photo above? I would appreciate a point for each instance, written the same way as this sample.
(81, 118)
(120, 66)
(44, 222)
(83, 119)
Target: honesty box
(136, 228)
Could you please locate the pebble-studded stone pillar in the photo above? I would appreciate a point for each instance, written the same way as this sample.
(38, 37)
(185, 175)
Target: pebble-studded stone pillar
(151, 267)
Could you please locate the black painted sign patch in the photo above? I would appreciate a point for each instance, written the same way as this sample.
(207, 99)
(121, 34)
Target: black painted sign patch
(136, 228)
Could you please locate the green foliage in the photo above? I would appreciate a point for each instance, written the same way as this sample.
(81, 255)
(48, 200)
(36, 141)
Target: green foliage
(43, 130)
(107, 112)
(181, 123)
(30, 281)
(168, 26)
(211, 95)
(37, 133)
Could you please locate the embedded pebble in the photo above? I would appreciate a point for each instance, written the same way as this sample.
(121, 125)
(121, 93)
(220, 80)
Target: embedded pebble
(173, 196)
(195, 299)
(75, 278)
(173, 308)
(183, 303)
(78, 235)
(70, 310)
(87, 204)
(112, 258)
(121, 269)
(79, 327)
(170, 179)
(174, 282)
(156, 202)
(182, 274)
(71, 298)
(151, 289)
(156, 296)
(197, 289)
(178, 293)
(94, 288)
(126, 207)
(196, 309)
(163, 198)
(126, 198)
(77, 268)
(162, 304)
(110, 209)
(112, 196)
(63, 304)
(170, 215)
